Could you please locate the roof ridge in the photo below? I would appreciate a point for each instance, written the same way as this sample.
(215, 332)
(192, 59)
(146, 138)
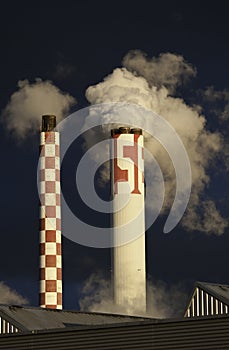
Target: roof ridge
(213, 284)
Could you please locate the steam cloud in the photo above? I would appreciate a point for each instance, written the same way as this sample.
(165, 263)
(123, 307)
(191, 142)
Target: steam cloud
(218, 104)
(167, 70)
(10, 296)
(23, 112)
(163, 301)
(149, 83)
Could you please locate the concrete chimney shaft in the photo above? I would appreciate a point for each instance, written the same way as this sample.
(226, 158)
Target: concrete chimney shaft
(127, 176)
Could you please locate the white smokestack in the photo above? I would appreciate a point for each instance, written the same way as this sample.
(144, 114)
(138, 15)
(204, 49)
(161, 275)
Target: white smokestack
(129, 276)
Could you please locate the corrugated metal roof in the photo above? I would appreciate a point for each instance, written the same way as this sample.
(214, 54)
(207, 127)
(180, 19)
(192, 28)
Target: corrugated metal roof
(219, 291)
(184, 334)
(34, 318)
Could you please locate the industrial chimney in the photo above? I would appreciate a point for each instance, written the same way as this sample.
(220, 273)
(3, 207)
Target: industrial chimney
(127, 176)
(50, 216)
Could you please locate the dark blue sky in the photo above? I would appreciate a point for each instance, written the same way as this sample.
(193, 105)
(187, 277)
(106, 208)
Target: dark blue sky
(93, 37)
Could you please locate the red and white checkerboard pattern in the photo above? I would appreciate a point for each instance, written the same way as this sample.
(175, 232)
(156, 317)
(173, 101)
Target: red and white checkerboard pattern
(50, 222)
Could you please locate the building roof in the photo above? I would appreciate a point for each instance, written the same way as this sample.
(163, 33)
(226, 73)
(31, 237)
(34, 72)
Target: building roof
(27, 318)
(219, 291)
(199, 304)
(187, 333)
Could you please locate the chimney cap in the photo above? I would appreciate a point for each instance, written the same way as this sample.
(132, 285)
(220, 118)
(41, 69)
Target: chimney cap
(126, 130)
(48, 122)
(137, 131)
(120, 130)
(114, 132)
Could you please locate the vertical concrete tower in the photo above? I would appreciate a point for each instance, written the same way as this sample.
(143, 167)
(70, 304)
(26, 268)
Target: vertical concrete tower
(50, 216)
(129, 276)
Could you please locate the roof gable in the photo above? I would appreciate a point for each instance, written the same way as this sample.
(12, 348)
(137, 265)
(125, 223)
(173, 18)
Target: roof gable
(208, 299)
(219, 291)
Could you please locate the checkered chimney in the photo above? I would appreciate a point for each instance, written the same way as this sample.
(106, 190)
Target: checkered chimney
(50, 216)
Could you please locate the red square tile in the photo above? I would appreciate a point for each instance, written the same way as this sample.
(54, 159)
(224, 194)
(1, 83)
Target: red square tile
(49, 162)
(50, 236)
(42, 248)
(57, 199)
(59, 274)
(50, 187)
(42, 175)
(58, 224)
(50, 137)
(50, 211)
(57, 177)
(50, 260)
(59, 298)
(42, 298)
(50, 286)
(42, 274)
(58, 248)
(42, 224)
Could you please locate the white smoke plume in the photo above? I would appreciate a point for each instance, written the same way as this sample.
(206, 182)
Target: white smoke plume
(26, 106)
(166, 301)
(10, 296)
(218, 104)
(213, 96)
(167, 70)
(163, 301)
(152, 91)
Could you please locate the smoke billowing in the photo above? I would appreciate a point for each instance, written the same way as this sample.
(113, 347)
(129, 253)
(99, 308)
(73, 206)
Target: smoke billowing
(167, 70)
(218, 105)
(162, 301)
(26, 105)
(149, 83)
(10, 296)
